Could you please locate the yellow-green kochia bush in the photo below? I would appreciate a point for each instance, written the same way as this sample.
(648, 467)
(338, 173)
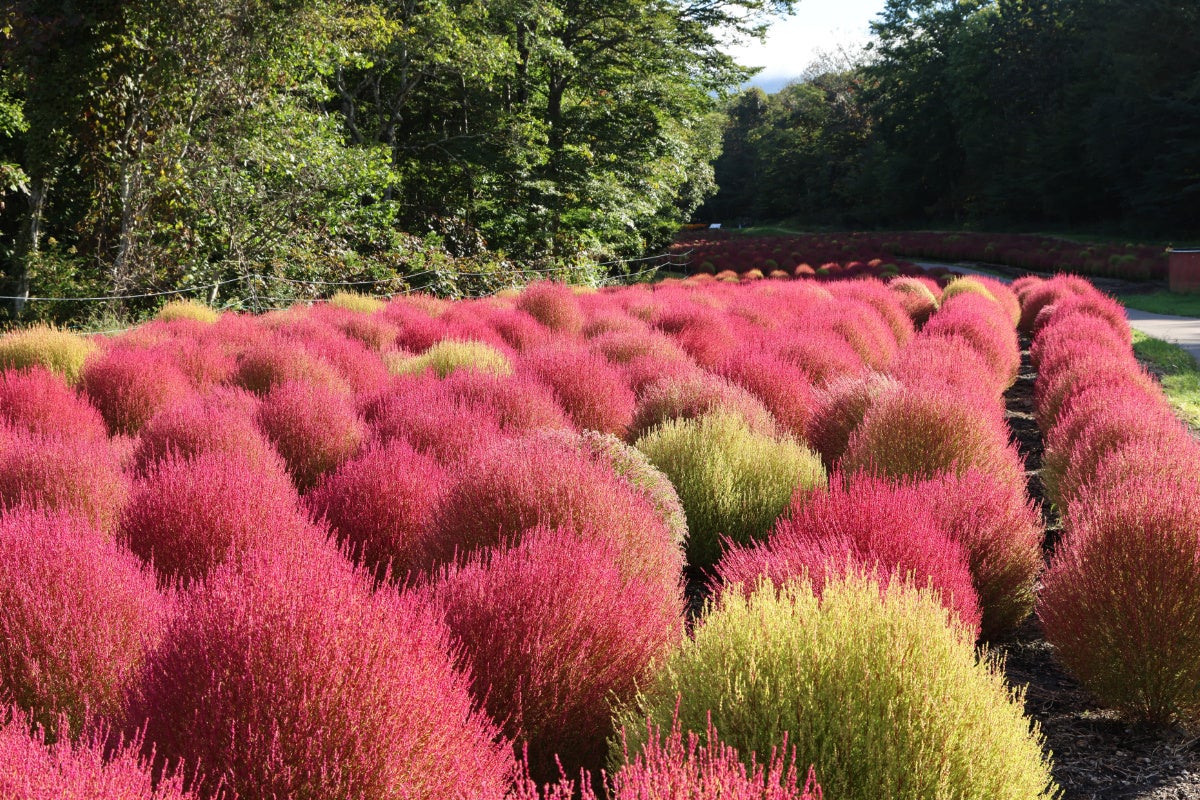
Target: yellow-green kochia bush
(874, 687)
(732, 481)
(41, 345)
(449, 355)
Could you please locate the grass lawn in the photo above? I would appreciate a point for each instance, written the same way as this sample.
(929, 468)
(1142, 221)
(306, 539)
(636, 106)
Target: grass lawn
(1179, 372)
(1162, 302)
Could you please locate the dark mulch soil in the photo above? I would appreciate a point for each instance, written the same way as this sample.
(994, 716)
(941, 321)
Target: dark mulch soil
(1097, 755)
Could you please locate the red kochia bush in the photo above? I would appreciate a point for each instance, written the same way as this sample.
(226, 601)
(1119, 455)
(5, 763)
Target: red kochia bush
(381, 506)
(694, 395)
(593, 393)
(839, 410)
(518, 484)
(1121, 599)
(1002, 534)
(82, 476)
(129, 385)
(554, 635)
(1077, 331)
(554, 305)
(782, 387)
(313, 427)
(266, 364)
(920, 432)
(516, 403)
(953, 362)
(863, 522)
(39, 401)
(822, 354)
(1038, 296)
(982, 323)
(288, 677)
(77, 614)
(421, 411)
(885, 302)
(214, 424)
(32, 769)
(190, 514)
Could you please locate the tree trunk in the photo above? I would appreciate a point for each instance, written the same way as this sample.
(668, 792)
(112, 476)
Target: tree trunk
(28, 245)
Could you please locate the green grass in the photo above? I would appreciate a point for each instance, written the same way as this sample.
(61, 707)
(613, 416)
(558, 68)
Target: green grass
(1178, 371)
(1163, 302)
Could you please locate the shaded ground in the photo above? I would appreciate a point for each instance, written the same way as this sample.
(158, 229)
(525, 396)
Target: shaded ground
(1097, 756)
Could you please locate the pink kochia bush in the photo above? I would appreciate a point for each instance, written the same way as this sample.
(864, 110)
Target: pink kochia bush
(421, 411)
(128, 385)
(221, 423)
(554, 305)
(554, 635)
(381, 506)
(1001, 533)
(190, 514)
(862, 524)
(594, 394)
(39, 401)
(82, 476)
(288, 677)
(1121, 599)
(676, 766)
(695, 395)
(518, 484)
(782, 387)
(839, 409)
(33, 769)
(77, 614)
(315, 428)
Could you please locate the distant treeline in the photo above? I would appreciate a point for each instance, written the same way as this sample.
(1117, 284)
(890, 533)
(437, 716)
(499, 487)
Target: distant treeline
(1003, 113)
(153, 144)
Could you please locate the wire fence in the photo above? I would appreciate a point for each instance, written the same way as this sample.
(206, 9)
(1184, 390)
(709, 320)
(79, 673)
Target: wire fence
(258, 299)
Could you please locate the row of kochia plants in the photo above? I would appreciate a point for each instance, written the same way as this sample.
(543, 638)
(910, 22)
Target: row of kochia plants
(644, 542)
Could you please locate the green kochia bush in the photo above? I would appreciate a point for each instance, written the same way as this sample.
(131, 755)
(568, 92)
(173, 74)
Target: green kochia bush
(873, 687)
(732, 481)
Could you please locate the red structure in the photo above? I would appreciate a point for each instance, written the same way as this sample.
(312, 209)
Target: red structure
(1183, 270)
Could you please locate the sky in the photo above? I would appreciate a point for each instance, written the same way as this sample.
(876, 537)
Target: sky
(795, 42)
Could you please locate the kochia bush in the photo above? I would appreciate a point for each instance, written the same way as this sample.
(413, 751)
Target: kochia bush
(315, 428)
(1121, 599)
(518, 484)
(920, 432)
(82, 476)
(31, 768)
(781, 386)
(594, 394)
(839, 410)
(872, 686)
(221, 423)
(128, 385)
(733, 482)
(554, 305)
(553, 635)
(697, 394)
(865, 525)
(288, 677)
(77, 615)
(191, 514)
(44, 346)
(39, 401)
(382, 504)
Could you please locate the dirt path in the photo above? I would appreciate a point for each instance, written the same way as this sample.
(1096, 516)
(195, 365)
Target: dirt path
(1097, 756)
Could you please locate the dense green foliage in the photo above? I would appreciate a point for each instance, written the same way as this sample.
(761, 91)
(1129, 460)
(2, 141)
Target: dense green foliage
(157, 144)
(1007, 113)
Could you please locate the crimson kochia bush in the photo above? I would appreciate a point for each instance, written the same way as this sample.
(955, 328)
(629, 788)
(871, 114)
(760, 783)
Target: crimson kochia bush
(554, 634)
(286, 676)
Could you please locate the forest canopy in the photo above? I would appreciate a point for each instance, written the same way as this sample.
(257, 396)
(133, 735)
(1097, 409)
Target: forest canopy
(1012, 114)
(154, 144)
